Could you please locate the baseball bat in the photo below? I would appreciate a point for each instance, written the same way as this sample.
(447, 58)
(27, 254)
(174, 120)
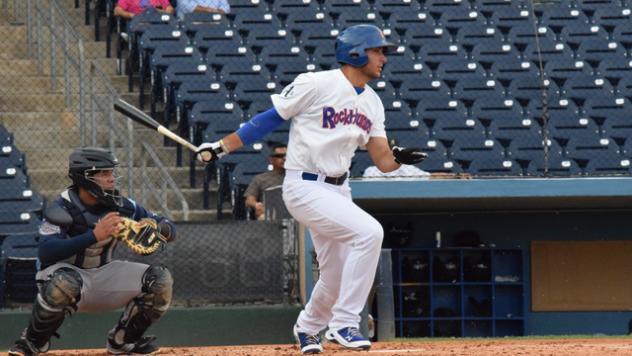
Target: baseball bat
(142, 118)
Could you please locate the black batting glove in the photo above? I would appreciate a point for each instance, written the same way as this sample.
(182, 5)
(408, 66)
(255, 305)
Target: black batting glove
(411, 155)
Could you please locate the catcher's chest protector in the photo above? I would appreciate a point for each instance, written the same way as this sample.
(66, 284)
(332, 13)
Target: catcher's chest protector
(99, 253)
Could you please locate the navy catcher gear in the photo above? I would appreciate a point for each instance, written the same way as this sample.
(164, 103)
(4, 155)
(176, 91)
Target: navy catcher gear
(352, 43)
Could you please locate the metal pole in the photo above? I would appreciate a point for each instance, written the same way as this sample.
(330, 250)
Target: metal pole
(29, 24)
(39, 43)
(53, 75)
(111, 122)
(93, 122)
(82, 117)
(385, 300)
(67, 81)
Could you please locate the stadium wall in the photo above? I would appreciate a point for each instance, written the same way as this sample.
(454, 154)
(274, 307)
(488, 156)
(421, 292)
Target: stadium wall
(511, 214)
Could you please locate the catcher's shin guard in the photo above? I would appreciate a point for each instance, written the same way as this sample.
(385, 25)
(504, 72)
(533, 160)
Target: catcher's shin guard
(146, 308)
(58, 295)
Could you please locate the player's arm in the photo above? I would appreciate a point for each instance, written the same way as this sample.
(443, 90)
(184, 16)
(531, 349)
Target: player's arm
(249, 133)
(389, 159)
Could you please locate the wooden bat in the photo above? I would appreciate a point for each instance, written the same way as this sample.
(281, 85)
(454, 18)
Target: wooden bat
(142, 118)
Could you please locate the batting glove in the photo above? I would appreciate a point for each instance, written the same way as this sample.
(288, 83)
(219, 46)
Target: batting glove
(411, 155)
(210, 151)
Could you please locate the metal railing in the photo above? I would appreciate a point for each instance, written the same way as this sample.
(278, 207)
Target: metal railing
(87, 91)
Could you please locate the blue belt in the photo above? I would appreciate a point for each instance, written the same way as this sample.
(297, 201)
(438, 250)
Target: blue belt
(330, 180)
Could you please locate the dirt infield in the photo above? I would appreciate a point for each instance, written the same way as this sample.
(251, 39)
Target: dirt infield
(452, 347)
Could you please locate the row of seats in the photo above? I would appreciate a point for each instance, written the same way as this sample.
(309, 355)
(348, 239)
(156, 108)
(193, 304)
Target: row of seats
(20, 216)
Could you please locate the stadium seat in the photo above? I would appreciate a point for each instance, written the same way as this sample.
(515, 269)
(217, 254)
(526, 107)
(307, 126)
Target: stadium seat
(461, 17)
(14, 222)
(280, 61)
(162, 58)
(421, 35)
(616, 67)
(254, 89)
(207, 114)
(241, 177)
(566, 68)
(475, 88)
(286, 72)
(389, 9)
(510, 16)
(561, 16)
(286, 7)
(200, 21)
(414, 91)
(253, 18)
(511, 69)
(599, 49)
(402, 66)
(586, 86)
(174, 76)
(238, 70)
(408, 19)
(215, 37)
(477, 33)
(19, 258)
(385, 90)
(458, 69)
(278, 38)
(338, 7)
(360, 162)
(356, 17)
(485, 158)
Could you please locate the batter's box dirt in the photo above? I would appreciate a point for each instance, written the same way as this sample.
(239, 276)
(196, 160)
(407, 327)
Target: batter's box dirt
(429, 347)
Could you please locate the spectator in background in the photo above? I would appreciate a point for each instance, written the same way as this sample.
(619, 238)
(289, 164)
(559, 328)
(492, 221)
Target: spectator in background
(409, 171)
(130, 8)
(208, 6)
(263, 181)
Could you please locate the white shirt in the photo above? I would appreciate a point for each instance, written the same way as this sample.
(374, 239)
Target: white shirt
(403, 171)
(329, 121)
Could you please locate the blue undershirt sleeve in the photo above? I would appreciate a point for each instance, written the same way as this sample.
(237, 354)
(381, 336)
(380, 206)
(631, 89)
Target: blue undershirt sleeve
(259, 126)
(54, 248)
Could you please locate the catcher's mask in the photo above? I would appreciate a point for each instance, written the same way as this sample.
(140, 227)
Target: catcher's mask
(83, 168)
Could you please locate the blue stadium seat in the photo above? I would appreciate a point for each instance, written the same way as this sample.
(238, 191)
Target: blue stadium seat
(461, 17)
(599, 49)
(228, 53)
(616, 67)
(240, 69)
(510, 16)
(596, 4)
(385, 90)
(253, 18)
(286, 72)
(160, 60)
(578, 32)
(441, 6)
(191, 92)
(317, 36)
(408, 19)
(566, 68)
(345, 6)
(547, 49)
(19, 259)
(414, 91)
(587, 86)
(457, 69)
(402, 66)
(512, 69)
(278, 38)
(206, 114)
(174, 76)
(494, 52)
(623, 33)
(215, 37)
(14, 222)
(421, 35)
(277, 59)
(561, 16)
(618, 125)
(200, 21)
(286, 7)
(442, 52)
(400, 121)
(389, 9)
(254, 89)
(486, 159)
(358, 16)
(607, 106)
(477, 33)
(476, 88)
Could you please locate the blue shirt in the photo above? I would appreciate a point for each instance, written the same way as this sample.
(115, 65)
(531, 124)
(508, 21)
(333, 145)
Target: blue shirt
(187, 6)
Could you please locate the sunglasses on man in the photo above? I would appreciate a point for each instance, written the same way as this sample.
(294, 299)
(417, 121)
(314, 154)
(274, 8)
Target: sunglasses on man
(278, 155)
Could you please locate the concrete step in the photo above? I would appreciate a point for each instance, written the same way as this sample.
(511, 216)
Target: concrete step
(32, 102)
(61, 120)
(29, 68)
(25, 84)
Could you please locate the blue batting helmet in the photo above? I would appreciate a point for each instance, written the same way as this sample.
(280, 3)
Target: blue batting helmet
(352, 43)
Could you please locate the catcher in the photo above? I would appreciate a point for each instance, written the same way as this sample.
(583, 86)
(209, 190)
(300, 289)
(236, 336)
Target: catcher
(81, 228)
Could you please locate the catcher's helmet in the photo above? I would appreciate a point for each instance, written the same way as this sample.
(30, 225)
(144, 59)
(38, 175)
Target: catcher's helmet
(352, 43)
(83, 163)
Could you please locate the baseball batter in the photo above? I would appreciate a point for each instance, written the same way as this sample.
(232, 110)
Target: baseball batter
(77, 272)
(333, 112)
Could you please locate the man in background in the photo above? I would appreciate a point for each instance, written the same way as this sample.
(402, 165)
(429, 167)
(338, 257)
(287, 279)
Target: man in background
(263, 181)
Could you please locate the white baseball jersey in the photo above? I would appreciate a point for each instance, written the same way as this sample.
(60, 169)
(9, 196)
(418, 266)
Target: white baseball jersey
(329, 121)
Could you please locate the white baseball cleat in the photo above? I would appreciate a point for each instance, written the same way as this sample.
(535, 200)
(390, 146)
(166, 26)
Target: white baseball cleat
(349, 337)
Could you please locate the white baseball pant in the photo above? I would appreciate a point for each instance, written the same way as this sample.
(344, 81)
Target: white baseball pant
(347, 241)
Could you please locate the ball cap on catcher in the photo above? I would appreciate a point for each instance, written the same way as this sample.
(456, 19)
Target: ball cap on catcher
(352, 43)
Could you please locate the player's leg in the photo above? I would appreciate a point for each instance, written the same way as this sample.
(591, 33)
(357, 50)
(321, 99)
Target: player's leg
(329, 212)
(57, 295)
(145, 308)
(317, 313)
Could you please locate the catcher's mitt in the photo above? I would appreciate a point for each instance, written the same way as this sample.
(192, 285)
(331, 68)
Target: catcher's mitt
(142, 236)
